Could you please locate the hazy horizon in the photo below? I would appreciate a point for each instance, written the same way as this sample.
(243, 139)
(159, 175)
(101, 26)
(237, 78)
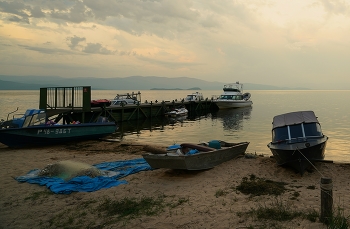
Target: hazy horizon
(281, 43)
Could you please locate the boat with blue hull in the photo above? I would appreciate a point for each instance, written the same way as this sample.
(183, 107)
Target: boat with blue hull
(34, 129)
(297, 140)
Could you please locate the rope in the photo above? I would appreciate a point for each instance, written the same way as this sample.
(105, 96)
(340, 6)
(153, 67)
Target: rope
(309, 162)
(324, 187)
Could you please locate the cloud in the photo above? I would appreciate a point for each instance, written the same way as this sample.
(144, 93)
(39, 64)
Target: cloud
(20, 12)
(46, 50)
(37, 12)
(163, 18)
(270, 41)
(15, 7)
(19, 19)
(74, 41)
(96, 48)
(77, 13)
(336, 6)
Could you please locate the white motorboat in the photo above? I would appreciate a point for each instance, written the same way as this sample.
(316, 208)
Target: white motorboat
(233, 97)
(124, 99)
(177, 112)
(195, 96)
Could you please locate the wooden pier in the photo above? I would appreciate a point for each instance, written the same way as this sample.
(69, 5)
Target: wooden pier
(74, 104)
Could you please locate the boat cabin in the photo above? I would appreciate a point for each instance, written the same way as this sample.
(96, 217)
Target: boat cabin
(196, 96)
(233, 87)
(298, 132)
(295, 127)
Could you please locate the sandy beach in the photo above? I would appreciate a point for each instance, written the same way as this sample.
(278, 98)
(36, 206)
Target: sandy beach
(193, 199)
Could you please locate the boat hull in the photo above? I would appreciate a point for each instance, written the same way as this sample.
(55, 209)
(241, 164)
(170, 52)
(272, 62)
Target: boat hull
(199, 161)
(49, 135)
(177, 115)
(177, 112)
(226, 104)
(300, 156)
(101, 103)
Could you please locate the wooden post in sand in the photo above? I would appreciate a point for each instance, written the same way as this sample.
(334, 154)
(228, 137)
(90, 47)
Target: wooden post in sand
(326, 199)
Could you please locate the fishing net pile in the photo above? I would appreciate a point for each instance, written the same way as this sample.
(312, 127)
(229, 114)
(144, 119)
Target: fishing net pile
(68, 169)
(65, 177)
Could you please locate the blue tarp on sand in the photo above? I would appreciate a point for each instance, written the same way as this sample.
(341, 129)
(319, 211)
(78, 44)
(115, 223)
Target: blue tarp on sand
(114, 171)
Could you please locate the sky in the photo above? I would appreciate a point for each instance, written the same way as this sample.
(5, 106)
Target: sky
(299, 43)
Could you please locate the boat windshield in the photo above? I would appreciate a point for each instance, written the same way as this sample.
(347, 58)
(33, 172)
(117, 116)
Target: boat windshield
(303, 130)
(231, 97)
(36, 119)
(190, 97)
(312, 129)
(280, 134)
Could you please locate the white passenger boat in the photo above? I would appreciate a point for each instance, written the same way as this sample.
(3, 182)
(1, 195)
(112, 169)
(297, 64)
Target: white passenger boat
(233, 97)
(195, 96)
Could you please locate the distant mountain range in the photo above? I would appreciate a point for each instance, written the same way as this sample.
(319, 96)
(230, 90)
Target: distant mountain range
(128, 83)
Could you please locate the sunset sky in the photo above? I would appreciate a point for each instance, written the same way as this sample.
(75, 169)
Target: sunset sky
(299, 43)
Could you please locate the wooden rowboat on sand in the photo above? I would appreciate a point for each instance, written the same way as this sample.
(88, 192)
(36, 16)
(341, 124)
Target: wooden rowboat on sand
(189, 156)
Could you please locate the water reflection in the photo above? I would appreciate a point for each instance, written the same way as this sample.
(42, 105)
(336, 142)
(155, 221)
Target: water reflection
(199, 114)
(136, 126)
(157, 124)
(179, 119)
(232, 119)
(156, 128)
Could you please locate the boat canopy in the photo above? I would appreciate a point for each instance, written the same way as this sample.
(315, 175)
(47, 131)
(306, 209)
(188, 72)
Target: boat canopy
(293, 118)
(236, 87)
(194, 96)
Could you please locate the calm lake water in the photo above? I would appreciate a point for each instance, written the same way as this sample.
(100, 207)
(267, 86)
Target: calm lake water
(234, 125)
